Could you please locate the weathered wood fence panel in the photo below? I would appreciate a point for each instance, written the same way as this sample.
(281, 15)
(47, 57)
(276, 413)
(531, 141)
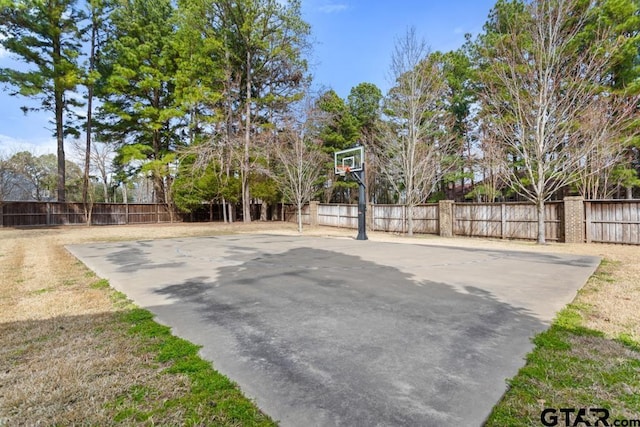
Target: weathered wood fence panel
(613, 221)
(338, 215)
(21, 214)
(290, 213)
(389, 218)
(394, 218)
(507, 220)
(24, 214)
(497, 220)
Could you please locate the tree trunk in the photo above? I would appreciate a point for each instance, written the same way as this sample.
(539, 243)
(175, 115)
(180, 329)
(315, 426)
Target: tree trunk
(224, 210)
(629, 192)
(299, 217)
(410, 220)
(59, 117)
(246, 196)
(541, 217)
(264, 210)
(60, 140)
(87, 153)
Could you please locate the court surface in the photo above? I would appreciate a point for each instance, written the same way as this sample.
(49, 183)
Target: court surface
(334, 331)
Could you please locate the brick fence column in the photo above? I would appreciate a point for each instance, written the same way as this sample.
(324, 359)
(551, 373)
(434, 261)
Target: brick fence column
(445, 217)
(313, 213)
(574, 219)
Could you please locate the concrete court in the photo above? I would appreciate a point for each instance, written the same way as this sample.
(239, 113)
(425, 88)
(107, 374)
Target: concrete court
(330, 331)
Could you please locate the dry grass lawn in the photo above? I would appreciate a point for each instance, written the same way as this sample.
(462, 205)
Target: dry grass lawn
(65, 360)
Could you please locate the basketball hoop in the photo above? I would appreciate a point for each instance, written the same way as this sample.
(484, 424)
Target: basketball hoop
(343, 170)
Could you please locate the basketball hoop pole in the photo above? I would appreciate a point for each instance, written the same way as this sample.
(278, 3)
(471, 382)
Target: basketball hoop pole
(362, 205)
(351, 160)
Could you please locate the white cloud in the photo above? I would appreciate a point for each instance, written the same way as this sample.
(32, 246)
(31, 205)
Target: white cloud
(10, 145)
(333, 8)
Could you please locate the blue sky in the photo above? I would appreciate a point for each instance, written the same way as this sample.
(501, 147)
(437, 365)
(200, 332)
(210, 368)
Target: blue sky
(352, 43)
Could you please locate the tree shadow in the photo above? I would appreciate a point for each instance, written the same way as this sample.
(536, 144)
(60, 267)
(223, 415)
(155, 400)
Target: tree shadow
(320, 336)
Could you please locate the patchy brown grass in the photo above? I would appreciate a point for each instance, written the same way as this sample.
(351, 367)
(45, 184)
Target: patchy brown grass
(64, 356)
(65, 359)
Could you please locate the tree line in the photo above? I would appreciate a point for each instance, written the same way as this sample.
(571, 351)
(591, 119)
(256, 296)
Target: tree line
(211, 101)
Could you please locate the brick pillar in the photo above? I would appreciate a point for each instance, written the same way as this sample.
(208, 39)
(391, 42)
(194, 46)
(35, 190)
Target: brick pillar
(313, 213)
(445, 216)
(574, 219)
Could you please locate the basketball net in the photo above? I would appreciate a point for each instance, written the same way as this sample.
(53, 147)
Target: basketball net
(343, 170)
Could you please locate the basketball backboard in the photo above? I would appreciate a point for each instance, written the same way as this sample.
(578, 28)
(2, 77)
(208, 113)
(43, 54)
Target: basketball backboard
(349, 160)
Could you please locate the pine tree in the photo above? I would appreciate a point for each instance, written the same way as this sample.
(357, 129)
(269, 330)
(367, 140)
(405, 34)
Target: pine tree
(138, 93)
(45, 36)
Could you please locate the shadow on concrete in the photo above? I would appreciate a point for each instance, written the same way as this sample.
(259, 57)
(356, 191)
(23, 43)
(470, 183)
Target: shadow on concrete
(130, 257)
(323, 338)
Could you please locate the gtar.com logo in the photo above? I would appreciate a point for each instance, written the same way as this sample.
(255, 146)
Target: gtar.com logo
(582, 417)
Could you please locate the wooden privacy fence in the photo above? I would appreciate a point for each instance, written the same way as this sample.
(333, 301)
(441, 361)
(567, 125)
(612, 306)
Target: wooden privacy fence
(570, 220)
(507, 220)
(17, 214)
(612, 221)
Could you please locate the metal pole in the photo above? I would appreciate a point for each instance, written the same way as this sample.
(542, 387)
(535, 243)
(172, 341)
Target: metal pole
(362, 207)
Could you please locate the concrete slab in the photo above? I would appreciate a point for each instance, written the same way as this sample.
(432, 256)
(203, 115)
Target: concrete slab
(330, 332)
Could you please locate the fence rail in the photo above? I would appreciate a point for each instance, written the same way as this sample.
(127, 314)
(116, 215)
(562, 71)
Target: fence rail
(20, 214)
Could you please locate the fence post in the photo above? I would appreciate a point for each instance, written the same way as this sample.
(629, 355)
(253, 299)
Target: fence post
(158, 212)
(574, 219)
(445, 218)
(503, 221)
(48, 206)
(313, 213)
(404, 218)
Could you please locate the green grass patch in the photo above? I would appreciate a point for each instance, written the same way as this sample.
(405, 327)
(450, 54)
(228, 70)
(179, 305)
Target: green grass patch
(121, 301)
(100, 284)
(573, 366)
(211, 399)
(42, 291)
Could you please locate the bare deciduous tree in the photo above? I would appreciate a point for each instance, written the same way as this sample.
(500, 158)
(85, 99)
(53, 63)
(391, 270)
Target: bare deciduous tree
(491, 163)
(8, 179)
(300, 167)
(300, 160)
(101, 162)
(609, 134)
(414, 135)
(541, 86)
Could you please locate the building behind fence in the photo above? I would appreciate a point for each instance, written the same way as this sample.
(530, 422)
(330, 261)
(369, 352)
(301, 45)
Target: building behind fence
(571, 220)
